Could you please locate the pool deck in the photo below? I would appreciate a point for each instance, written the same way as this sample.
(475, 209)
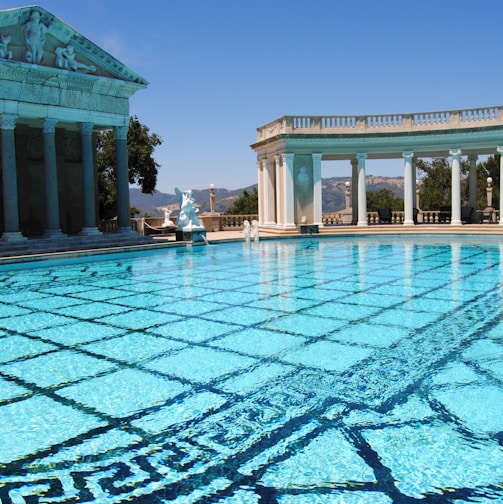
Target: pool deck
(43, 249)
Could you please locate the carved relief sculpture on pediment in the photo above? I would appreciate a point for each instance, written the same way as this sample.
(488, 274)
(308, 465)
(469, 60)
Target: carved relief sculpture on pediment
(34, 36)
(35, 32)
(65, 58)
(4, 49)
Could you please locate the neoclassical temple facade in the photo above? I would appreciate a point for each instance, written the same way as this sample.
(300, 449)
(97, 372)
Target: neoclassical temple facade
(290, 151)
(57, 89)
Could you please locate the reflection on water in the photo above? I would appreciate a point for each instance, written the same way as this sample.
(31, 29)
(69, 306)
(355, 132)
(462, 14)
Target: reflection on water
(294, 371)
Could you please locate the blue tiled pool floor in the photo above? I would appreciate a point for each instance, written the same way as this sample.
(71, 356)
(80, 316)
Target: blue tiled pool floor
(291, 371)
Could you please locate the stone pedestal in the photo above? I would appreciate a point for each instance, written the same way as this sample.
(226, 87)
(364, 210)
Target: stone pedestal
(309, 229)
(195, 235)
(211, 222)
(347, 216)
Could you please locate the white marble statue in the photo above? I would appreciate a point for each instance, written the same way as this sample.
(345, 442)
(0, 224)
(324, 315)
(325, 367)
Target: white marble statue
(167, 221)
(187, 218)
(34, 35)
(65, 58)
(4, 50)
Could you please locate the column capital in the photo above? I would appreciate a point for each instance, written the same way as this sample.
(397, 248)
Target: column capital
(287, 156)
(499, 149)
(264, 162)
(472, 157)
(50, 125)
(120, 132)
(408, 155)
(456, 153)
(8, 121)
(361, 156)
(86, 128)
(316, 156)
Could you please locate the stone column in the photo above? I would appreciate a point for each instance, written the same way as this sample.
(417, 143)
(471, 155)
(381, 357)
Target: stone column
(362, 190)
(414, 183)
(473, 180)
(212, 198)
(260, 192)
(489, 192)
(289, 201)
(53, 227)
(408, 187)
(317, 191)
(354, 193)
(456, 187)
(269, 202)
(9, 179)
(122, 176)
(88, 180)
(499, 149)
(279, 191)
(347, 194)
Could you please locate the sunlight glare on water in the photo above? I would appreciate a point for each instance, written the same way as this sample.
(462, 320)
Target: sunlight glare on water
(299, 371)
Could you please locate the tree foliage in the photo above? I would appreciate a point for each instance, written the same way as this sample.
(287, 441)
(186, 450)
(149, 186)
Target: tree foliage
(142, 166)
(246, 204)
(436, 183)
(489, 168)
(383, 198)
(436, 187)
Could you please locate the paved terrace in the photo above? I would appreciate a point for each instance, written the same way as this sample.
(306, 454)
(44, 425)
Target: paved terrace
(111, 244)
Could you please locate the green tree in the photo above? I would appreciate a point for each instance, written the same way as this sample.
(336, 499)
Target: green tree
(489, 168)
(383, 198)
(246, 204)
(143, 168)
(436, 187)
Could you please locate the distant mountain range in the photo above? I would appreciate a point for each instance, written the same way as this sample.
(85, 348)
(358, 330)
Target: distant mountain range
(333, 196)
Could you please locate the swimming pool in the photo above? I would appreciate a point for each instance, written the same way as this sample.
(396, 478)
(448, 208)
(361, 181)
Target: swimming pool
(296, 371)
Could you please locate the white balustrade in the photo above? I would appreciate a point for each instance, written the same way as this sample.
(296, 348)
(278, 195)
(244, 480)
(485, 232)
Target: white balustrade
(417, 121)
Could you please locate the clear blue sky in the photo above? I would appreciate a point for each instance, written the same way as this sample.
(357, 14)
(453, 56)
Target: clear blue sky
(218, 69)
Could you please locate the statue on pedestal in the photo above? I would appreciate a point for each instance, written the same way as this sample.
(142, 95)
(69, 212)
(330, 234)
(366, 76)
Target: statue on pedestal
(187, 218)
(167, 221)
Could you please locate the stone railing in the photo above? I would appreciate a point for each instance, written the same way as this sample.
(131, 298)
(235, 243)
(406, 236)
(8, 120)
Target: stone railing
(397, 217)
(329, 219)
(108, 225)
(235, 222)
(385, 123)
(430, 216)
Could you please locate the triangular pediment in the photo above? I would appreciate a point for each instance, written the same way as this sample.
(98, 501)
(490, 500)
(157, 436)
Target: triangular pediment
(34, 36)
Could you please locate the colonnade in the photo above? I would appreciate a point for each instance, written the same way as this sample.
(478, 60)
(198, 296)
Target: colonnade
(11, 193)
(278, 188)
(290, 150)
(410, 183)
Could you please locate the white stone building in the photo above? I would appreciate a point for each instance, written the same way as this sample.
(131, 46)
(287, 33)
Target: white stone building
(290, 151)
(57, 89)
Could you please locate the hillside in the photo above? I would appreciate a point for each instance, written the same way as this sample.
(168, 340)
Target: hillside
(332, 194)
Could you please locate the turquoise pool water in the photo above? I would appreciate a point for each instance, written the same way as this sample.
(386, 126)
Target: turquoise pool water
(293, 371)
